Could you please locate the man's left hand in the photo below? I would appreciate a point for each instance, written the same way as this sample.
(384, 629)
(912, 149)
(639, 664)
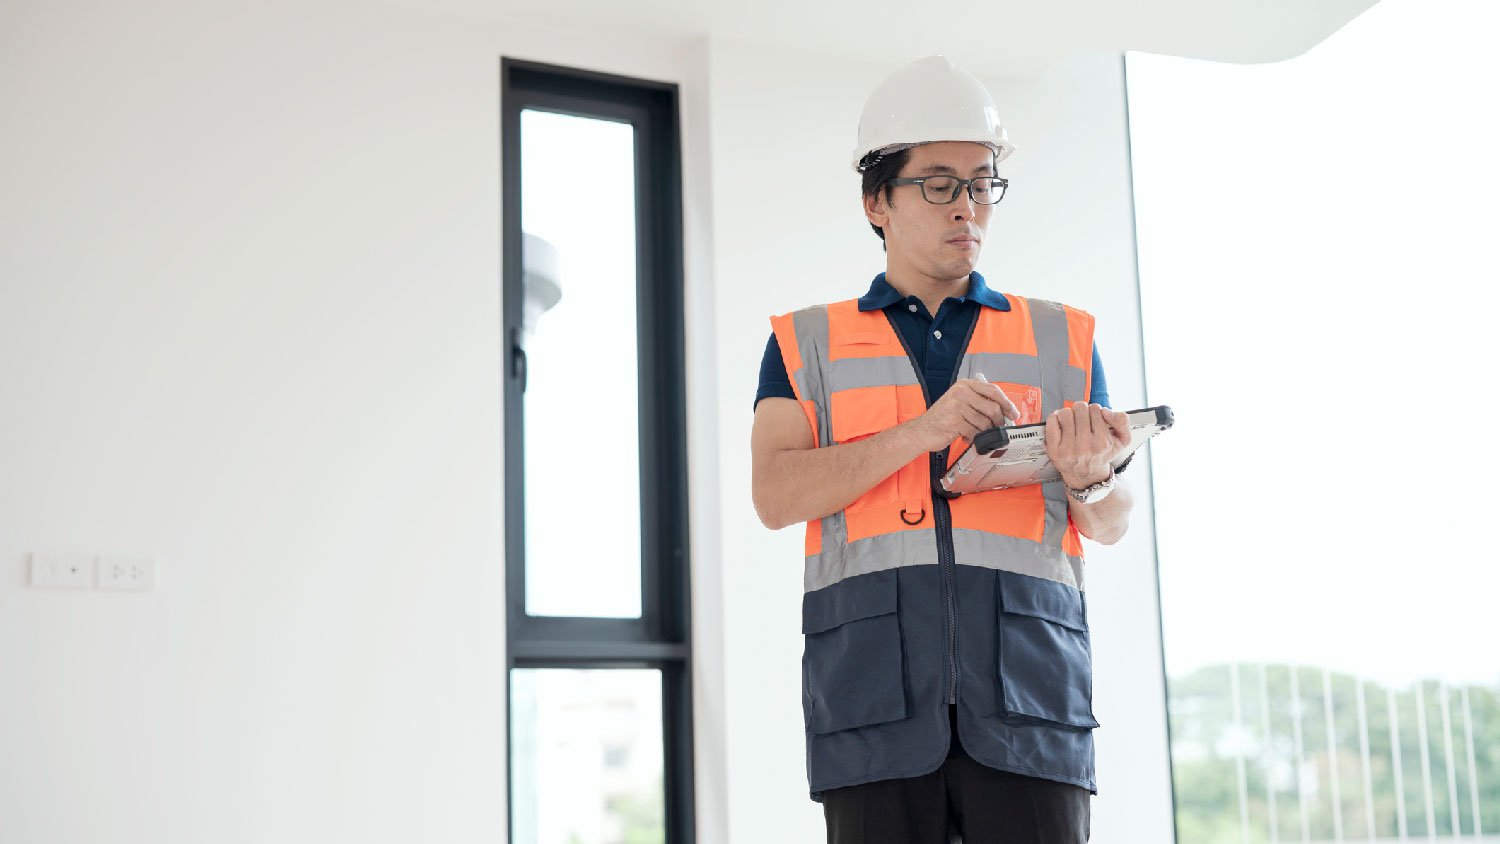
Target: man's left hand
(1082, 439)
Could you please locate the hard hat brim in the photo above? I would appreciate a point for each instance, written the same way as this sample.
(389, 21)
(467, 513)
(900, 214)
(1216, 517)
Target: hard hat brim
(1001, 147)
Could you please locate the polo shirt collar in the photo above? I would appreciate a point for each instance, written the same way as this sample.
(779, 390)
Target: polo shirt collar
(883, 295)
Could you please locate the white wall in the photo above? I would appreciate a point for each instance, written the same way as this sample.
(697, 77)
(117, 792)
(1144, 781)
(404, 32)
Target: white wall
(1064, 232)
(249, 325)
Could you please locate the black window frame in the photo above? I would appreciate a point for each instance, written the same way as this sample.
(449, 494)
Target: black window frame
(660, 638)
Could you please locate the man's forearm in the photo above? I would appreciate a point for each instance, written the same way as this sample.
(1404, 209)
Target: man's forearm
(801, 485)
(1105, 520)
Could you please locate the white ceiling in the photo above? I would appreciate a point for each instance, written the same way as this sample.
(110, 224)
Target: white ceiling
(998, 38)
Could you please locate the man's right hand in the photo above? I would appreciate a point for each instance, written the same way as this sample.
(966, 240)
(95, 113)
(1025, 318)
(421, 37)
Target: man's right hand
(968, 408)
(793, 481)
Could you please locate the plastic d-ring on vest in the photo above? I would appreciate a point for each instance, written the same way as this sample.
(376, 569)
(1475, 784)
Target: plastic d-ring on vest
(920, 517)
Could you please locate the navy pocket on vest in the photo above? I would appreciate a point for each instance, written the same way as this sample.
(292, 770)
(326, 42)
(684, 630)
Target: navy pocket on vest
(1045, 665)
(852, 660)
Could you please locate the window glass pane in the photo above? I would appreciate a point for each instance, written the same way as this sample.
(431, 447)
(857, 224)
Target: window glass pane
(1329, 595)
(583, 520)
(587, 756)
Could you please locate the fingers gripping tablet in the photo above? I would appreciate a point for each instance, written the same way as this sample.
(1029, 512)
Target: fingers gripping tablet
(1001, 458)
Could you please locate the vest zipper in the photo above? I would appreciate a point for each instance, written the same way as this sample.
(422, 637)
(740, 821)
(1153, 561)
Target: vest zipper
(942, 518)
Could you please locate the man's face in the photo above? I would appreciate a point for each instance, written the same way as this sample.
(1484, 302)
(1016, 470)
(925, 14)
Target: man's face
(939, 241)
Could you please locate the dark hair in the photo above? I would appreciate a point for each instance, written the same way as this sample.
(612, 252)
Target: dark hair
(878, 172)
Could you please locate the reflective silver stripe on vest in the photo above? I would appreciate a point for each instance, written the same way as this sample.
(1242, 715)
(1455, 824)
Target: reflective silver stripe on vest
(1049, 325)
(805, 381)
(874, 553)
(1011, 553)
(853, 373)
(1000, 366)
(919, 548)
(811, 327)
(1073, 379)
(800, 377)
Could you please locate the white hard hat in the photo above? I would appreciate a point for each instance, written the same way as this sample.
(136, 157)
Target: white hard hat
(929, 100)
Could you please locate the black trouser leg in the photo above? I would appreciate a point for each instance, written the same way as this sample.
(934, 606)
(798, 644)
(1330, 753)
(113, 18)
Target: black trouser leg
(987, 806)
(903, 811)
(999, 807)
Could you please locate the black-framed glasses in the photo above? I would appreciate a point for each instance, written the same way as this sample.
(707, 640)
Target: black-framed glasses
(941, 190)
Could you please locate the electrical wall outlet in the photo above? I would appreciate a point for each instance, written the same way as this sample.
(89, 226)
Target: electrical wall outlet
(132, 574)
(62, 571)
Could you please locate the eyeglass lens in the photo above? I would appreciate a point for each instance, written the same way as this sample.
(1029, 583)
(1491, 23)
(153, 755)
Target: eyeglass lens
(944, 189)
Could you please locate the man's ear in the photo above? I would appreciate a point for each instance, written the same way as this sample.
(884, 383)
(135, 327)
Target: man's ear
(876, 210)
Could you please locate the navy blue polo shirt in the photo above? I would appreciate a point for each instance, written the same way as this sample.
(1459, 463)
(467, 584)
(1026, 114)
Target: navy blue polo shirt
(935, 341)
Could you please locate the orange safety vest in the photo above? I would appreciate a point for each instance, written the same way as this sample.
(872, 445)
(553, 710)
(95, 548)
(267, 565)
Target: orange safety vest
(851, 373)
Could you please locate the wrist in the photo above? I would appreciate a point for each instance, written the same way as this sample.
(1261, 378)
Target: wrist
(1093, 492)
(911, 438)
(1077, 482)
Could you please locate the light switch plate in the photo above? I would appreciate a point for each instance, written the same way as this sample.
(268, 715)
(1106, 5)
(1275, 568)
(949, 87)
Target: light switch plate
(62, 571)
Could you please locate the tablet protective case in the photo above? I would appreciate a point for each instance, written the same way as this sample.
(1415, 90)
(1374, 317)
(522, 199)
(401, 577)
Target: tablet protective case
(1001, 458)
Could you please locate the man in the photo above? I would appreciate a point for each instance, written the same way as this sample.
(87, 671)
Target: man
(947, 681)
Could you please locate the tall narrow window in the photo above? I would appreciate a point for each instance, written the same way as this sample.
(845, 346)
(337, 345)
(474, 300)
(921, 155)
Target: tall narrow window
(578, 210)
(596, 475)
(1317, 270)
